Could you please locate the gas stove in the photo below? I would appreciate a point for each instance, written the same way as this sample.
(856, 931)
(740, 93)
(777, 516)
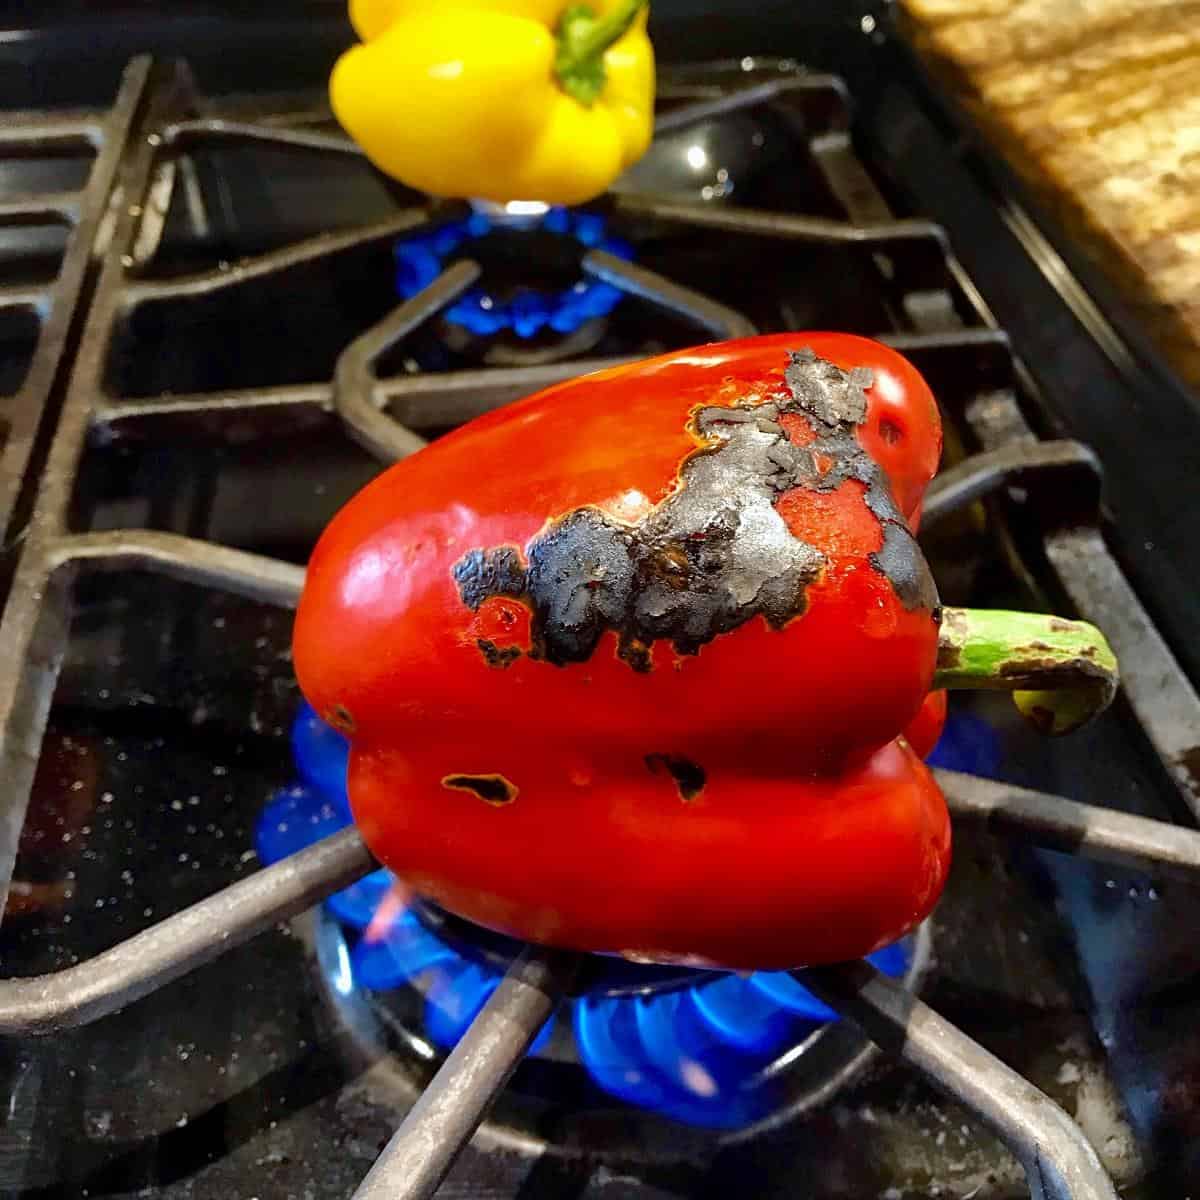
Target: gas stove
(222, 323)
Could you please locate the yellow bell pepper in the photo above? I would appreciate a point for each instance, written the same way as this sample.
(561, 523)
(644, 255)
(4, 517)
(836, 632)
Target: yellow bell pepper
(499, 99)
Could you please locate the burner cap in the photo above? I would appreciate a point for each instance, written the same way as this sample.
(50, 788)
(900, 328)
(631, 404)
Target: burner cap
(552, 239)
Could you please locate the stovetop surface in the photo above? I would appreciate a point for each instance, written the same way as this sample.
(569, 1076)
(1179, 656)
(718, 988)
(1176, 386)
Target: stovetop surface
(169, 732)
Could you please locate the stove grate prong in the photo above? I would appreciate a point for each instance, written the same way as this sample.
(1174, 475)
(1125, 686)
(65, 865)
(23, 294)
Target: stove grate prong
(184, 133)
(44, 207)
(719, 320)
(423, 401)
(1055, 823)
(355, 384)
(30, 297)
(261, 266)
(1066, 466)
(440, 1124)
(149, 960)
(56, 132)
(693, 113)
(189, 560)
(441, 398)
(1059, 1162)
(785, 226)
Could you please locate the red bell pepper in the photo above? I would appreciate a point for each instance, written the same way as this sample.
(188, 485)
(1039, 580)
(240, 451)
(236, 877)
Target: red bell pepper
(625, 665)
(924, 730)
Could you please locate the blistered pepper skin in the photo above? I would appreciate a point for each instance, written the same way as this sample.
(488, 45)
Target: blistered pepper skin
(564, 729)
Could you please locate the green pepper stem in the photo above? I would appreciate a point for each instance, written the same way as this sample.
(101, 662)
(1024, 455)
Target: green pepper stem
(1061, 673)
(583, 37)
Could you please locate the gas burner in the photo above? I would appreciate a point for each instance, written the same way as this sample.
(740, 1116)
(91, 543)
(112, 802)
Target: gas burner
(511, 320)
(716, 1050)
(660, 1076)
(507, 349)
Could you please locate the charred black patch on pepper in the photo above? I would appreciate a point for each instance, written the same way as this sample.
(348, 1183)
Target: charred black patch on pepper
(579, 583)
(834, 414)
(481, 574)
(901, 560)
(497, 656)
(491, 789)
(689, 777)
(716, 552)
(809, 377)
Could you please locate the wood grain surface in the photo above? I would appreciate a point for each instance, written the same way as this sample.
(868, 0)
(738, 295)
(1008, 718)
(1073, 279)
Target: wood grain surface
(1097, 104)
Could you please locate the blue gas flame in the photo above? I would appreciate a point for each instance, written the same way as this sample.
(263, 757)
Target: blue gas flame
(420, 259)
(694, 1054)
(968, 744)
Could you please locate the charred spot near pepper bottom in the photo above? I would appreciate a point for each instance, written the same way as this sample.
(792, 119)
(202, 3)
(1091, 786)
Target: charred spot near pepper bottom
(689, 777)
(495, 790)
(715, 552)
(340, 718)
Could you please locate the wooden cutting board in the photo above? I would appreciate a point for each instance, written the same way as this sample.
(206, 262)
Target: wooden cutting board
(1097, 104)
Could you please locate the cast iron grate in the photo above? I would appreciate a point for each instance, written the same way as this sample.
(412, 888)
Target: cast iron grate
(950, 334)
(77, 153)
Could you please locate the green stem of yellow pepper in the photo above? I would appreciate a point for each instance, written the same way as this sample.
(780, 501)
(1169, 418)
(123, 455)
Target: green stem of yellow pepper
(583, 37)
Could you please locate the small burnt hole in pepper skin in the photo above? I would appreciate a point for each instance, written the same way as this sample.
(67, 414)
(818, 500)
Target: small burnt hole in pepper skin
(491, 789)
(497, 656)
(339, 717)
(689, 777)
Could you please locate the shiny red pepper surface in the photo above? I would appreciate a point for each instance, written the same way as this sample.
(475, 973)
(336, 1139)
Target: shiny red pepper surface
(925, 729)
(624, 664)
